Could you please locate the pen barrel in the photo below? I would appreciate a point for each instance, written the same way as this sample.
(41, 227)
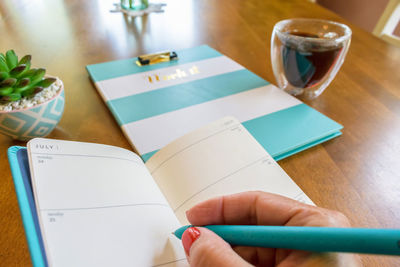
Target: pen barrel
(317, 239)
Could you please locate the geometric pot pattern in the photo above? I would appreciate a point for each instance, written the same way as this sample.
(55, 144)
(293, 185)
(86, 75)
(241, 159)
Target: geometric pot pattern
(37, 121)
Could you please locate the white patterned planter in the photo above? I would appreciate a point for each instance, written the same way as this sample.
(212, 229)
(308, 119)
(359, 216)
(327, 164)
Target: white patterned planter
(36, 121)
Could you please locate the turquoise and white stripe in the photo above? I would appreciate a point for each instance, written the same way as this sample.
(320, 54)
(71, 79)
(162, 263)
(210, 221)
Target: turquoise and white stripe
(121, 87)
(156, 104)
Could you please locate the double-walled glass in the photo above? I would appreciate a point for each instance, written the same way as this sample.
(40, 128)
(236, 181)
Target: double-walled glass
(306, 54)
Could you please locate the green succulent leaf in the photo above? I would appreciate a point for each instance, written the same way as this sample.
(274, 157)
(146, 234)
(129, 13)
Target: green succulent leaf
(11, 97)
(46, 82)
(27, 92)
(31, 91)
(28, 73)
(38, 76)
(9, 82)
(24, 89)
(18, 70)
(22, 83)
(6, 91)
(3, 75)
(37, 89)
(23, 86)
(25, 60)
(3, 64)
(11, 59)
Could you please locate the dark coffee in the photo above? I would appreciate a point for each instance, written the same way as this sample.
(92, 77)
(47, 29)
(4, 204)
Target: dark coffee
(305, 67)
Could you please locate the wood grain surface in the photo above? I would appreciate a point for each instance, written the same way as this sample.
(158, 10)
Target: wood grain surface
(357, 173)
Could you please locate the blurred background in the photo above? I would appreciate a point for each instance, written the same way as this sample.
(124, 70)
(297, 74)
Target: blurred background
(380, 17)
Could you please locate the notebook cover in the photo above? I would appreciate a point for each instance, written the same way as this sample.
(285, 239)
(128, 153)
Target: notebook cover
(157, 104)
(18, 159)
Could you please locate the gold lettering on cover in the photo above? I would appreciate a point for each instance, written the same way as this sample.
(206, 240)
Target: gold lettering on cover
(179, 74)
(194, 70)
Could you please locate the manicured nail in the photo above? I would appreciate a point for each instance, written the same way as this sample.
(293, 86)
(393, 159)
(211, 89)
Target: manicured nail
(188, 237)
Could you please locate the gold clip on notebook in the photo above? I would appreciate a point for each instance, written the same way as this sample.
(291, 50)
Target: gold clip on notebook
(155, 58)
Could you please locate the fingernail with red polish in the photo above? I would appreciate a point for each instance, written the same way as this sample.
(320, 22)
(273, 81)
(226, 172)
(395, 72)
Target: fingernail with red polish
(189, 236)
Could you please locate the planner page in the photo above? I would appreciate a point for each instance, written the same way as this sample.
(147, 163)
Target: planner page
(219, 159)
(98, 206)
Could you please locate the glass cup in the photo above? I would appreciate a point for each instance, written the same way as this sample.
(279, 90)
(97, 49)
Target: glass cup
(134, 4)
(306, 54)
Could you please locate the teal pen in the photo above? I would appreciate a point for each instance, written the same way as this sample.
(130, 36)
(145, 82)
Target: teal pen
(317, 239)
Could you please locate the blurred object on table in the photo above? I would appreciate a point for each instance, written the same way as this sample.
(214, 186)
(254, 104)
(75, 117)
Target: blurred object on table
(380, 17)
(388, 26)
(137, 8)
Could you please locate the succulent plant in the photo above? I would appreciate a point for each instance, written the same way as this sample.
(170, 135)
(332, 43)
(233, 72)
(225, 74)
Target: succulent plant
(18, 80)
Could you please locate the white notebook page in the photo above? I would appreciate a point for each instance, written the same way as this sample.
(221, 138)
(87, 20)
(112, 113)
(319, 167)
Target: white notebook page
(219, 159)
(99, 206)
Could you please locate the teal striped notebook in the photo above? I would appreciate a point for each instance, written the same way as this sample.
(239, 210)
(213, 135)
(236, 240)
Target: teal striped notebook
(157, 104)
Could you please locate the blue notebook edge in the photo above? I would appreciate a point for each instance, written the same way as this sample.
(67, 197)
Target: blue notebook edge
(20, 173)
(280, 156)
(307, 146)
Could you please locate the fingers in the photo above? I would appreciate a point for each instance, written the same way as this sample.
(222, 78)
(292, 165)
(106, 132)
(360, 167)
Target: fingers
(259, 208)
(308, 259)
(257, 256)
(262, 208)
(315, 216)
(244, 208)
(204, 248)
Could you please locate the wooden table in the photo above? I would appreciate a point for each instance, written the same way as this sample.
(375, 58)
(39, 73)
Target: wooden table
(357, 173)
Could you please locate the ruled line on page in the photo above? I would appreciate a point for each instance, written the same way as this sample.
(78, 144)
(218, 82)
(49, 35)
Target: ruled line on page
(87, 156)
(162, 264)
(111, 206)
(192, 144)
(221, 179)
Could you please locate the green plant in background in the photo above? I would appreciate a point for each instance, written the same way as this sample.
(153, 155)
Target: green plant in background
(134, 4)
(18, 80)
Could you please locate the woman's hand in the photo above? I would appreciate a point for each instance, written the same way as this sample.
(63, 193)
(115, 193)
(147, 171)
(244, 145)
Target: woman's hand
(204, 248)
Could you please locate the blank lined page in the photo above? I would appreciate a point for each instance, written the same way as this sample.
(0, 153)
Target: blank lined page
(99, 206)
(219, 159)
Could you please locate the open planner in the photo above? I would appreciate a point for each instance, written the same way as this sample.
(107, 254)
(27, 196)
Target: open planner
(86, 204)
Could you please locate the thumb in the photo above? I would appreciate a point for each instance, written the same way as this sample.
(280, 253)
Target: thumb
(204, 248)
